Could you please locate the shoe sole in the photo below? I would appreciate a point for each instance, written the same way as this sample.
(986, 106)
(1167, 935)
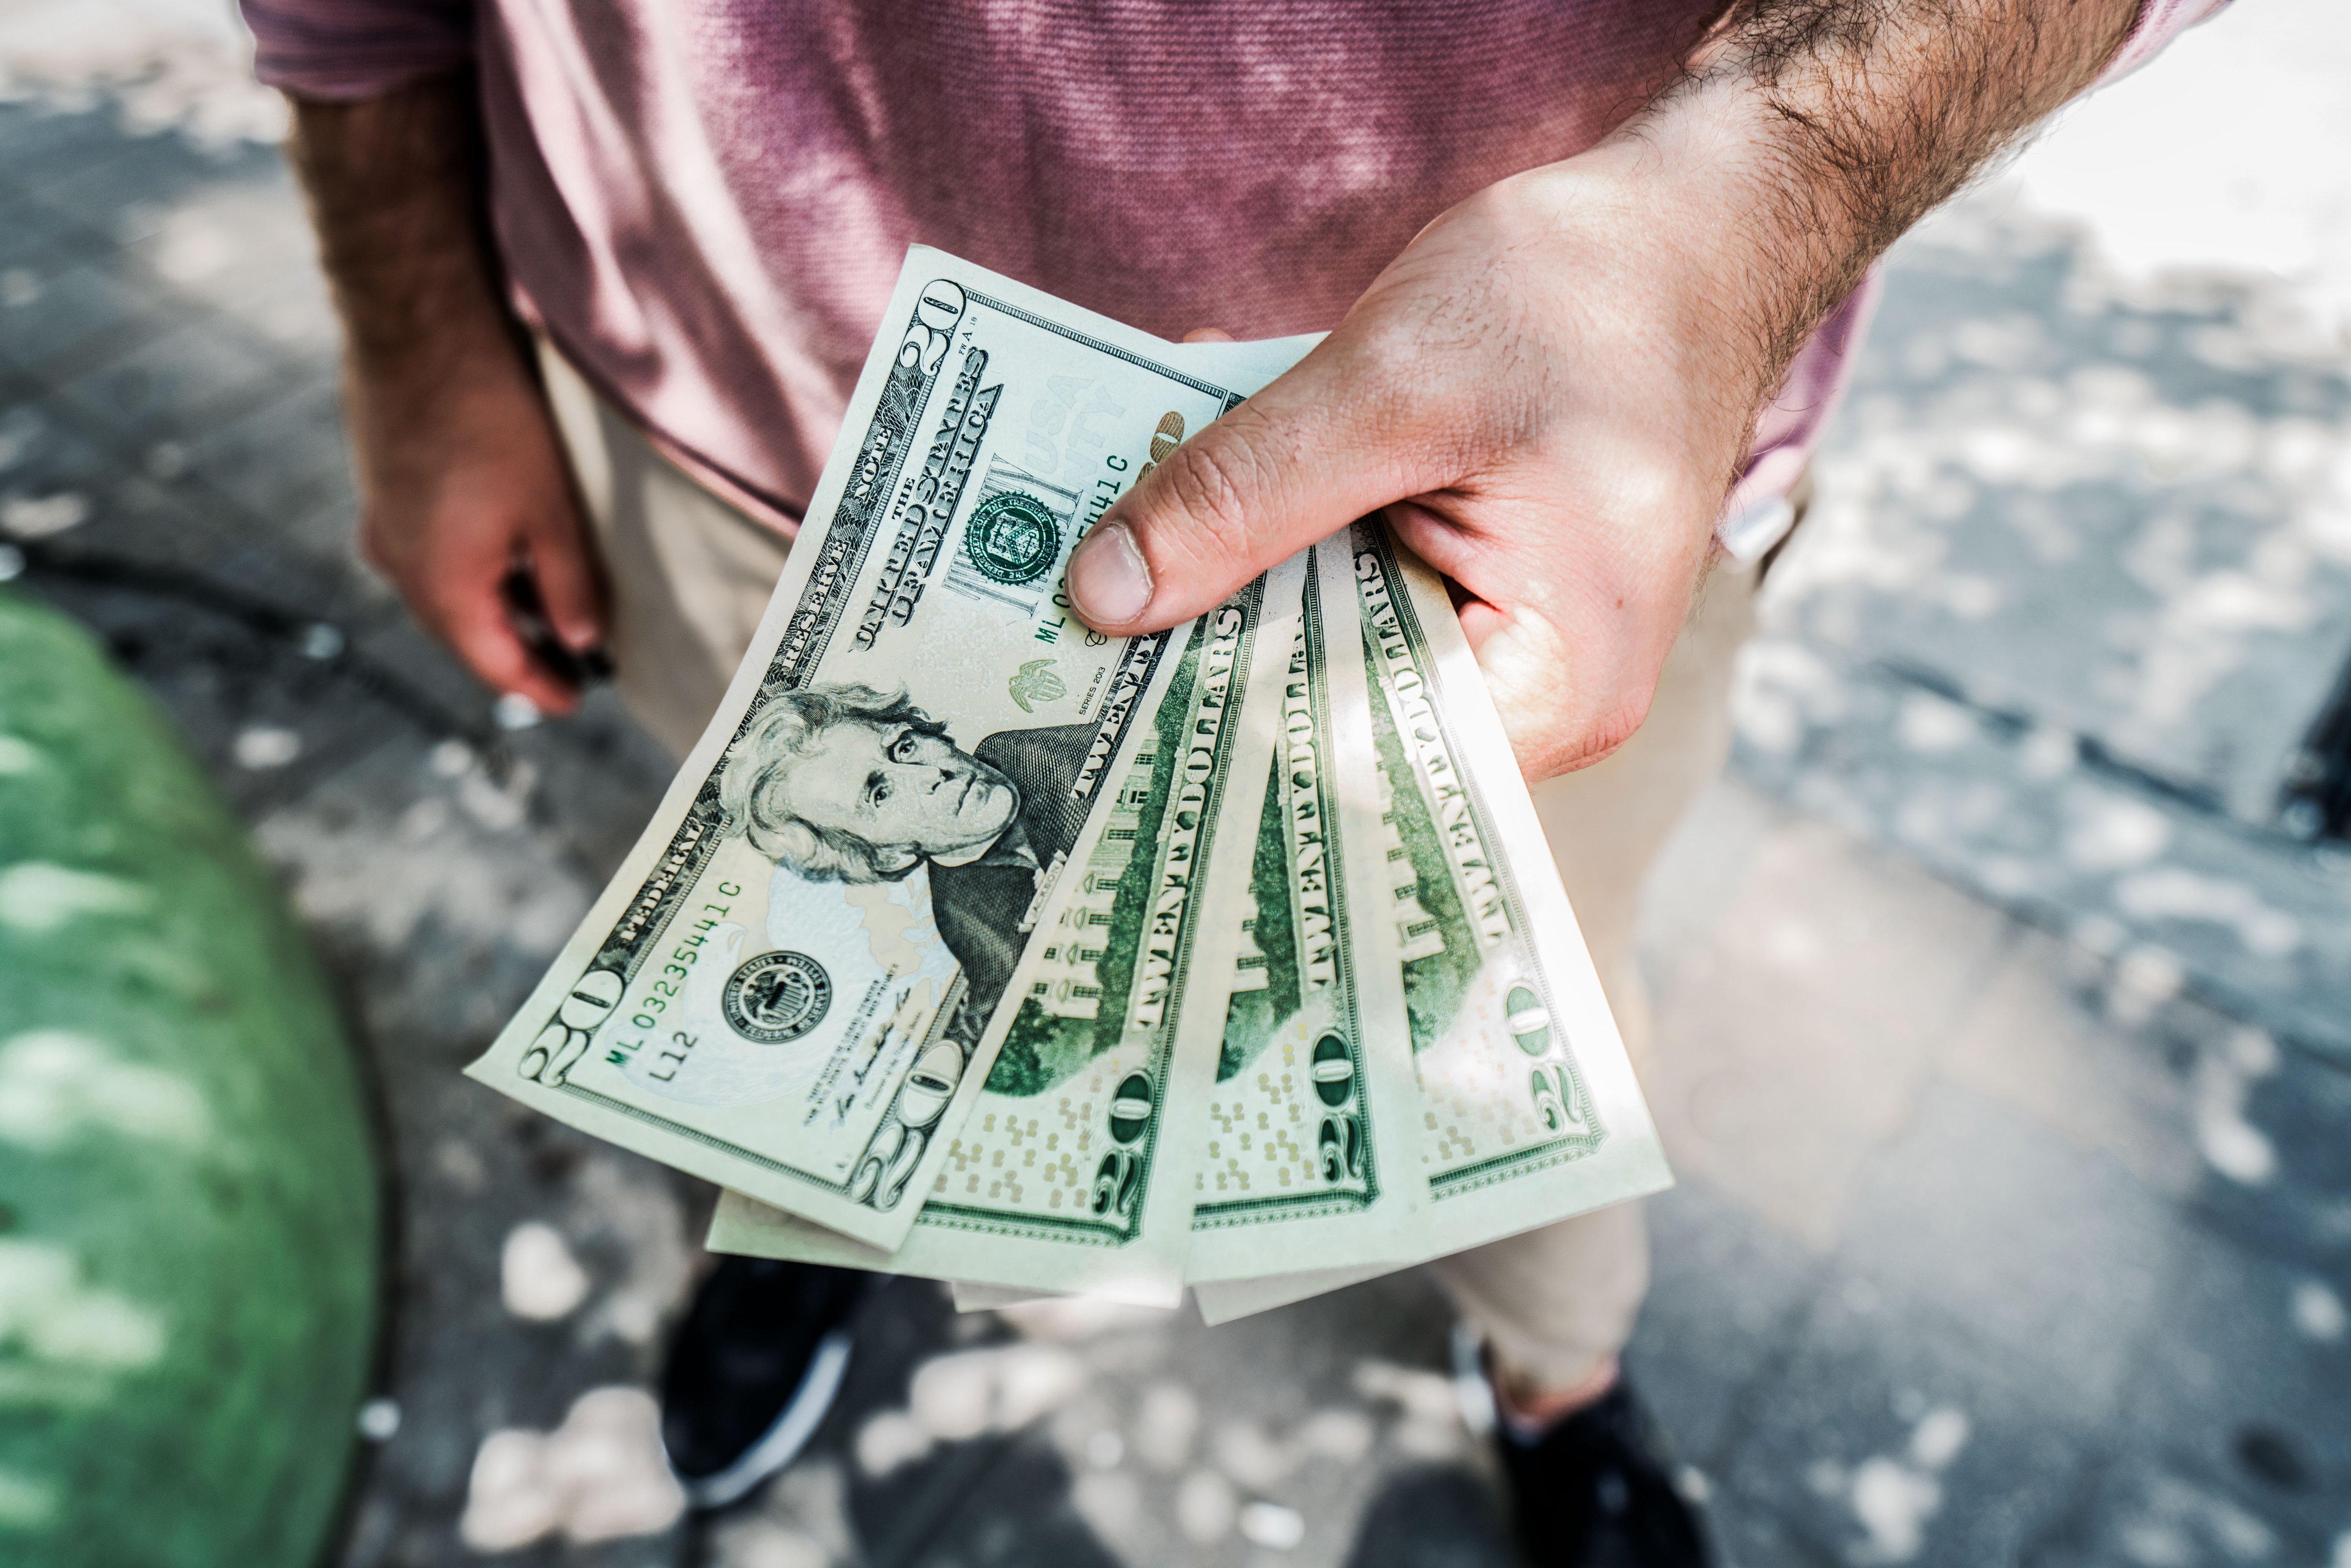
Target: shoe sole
(781, 1443)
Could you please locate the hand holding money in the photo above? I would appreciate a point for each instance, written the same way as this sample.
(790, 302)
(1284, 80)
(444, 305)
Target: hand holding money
(975, 943)
(1524, 390)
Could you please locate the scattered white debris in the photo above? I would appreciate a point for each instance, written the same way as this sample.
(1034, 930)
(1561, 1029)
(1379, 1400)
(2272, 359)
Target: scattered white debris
(1205, 1507)
(494, 805)
(62, 1327)
(451, 758)
(1166, 1425)
(2174, 1523)
(425, 819)
(26, 1502)
(2171, 893)
(322, 641)
(265, 747)
(1272, 1526)
(965, 1395)
(2145, 978)
(1105, 1449)
(889, 1440)
(801, 1520)
(1342, 1436)
(2319, 1313)
(2251, 1052)
(1246, 1453)
(1110, 1501)
(1939, 1437)
(539, 1279)
(2113, 832)
(1894, 1503)
(514, 711)
(20, 286)
(57, 1084)
(599, 1476)
(1780, 688)
(38, 518)
(1895, 1499)
(11, 563)
(2236, 1148)
(40, 895)
(2229, 1143)
(379, 1419)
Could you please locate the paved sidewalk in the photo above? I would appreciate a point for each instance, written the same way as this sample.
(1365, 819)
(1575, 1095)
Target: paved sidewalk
(1987, 1248)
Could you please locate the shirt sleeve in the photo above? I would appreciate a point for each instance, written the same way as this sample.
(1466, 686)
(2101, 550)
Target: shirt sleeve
(2159, 22)
(344, 49)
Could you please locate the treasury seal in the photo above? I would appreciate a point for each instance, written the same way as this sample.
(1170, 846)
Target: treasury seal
(1012, 538)
(776, 997)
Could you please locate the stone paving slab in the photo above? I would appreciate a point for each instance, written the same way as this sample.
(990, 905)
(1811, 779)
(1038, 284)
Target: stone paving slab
(2075, 591)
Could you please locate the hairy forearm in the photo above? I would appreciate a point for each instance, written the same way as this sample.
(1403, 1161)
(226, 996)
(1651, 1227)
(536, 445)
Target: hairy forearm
(1808, 134)
(396, 196)
(1862, 115)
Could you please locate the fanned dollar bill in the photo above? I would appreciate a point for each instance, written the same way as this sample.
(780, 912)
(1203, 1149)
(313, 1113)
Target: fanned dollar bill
(1060, 1179)
(1528, 1108)
(793, 987)
(1307, 1157)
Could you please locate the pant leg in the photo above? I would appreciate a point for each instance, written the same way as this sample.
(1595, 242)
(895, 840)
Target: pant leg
(688, 576)
(1556, 1303)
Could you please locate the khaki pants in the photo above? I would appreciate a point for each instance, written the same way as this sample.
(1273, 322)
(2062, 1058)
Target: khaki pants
(689, 575)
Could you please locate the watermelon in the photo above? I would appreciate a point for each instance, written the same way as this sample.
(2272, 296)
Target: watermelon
(189, 1206)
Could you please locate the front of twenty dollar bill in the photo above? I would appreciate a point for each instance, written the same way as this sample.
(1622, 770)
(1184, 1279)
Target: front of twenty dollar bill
(793, 985)
(1070, 1175)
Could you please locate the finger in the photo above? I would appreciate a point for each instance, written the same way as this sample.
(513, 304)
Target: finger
(568, 587)
(1321, 446)
(475, 625)
(1570, 668)
(1209, 334)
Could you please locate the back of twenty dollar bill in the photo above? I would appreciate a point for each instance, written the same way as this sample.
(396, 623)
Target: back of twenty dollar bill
(793, 986)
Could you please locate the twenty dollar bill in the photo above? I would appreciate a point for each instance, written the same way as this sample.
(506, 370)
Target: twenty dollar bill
(794, 984)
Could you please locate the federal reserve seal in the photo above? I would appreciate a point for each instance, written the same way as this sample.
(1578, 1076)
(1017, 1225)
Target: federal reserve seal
(1012, 538)
(776, 997)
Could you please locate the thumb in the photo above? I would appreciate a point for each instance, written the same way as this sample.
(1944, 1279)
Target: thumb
(1318, 448)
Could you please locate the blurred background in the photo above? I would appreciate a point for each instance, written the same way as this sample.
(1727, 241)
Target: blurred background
(2004, 986)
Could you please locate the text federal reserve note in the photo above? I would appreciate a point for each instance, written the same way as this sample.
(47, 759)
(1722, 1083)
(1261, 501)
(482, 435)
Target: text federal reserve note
(792, 986)
(1306, 1157)
(1068, 1174)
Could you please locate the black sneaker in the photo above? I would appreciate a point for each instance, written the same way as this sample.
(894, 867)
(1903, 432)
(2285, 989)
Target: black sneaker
(1605, 1470)
(755, 1367)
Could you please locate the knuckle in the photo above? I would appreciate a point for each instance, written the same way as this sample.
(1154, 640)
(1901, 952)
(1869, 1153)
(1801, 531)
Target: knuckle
(1209, 483)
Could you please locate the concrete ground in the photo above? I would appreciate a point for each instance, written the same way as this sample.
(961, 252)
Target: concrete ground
(2003, 1235)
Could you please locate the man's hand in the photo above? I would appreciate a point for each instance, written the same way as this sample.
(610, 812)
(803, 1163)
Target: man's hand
(462, 483)
(1552, 389)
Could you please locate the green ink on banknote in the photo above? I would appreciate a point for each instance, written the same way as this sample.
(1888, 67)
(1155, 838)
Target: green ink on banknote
(1013, 539)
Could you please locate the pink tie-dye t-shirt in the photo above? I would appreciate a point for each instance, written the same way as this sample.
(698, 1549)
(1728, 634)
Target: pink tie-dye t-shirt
(705, 205)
